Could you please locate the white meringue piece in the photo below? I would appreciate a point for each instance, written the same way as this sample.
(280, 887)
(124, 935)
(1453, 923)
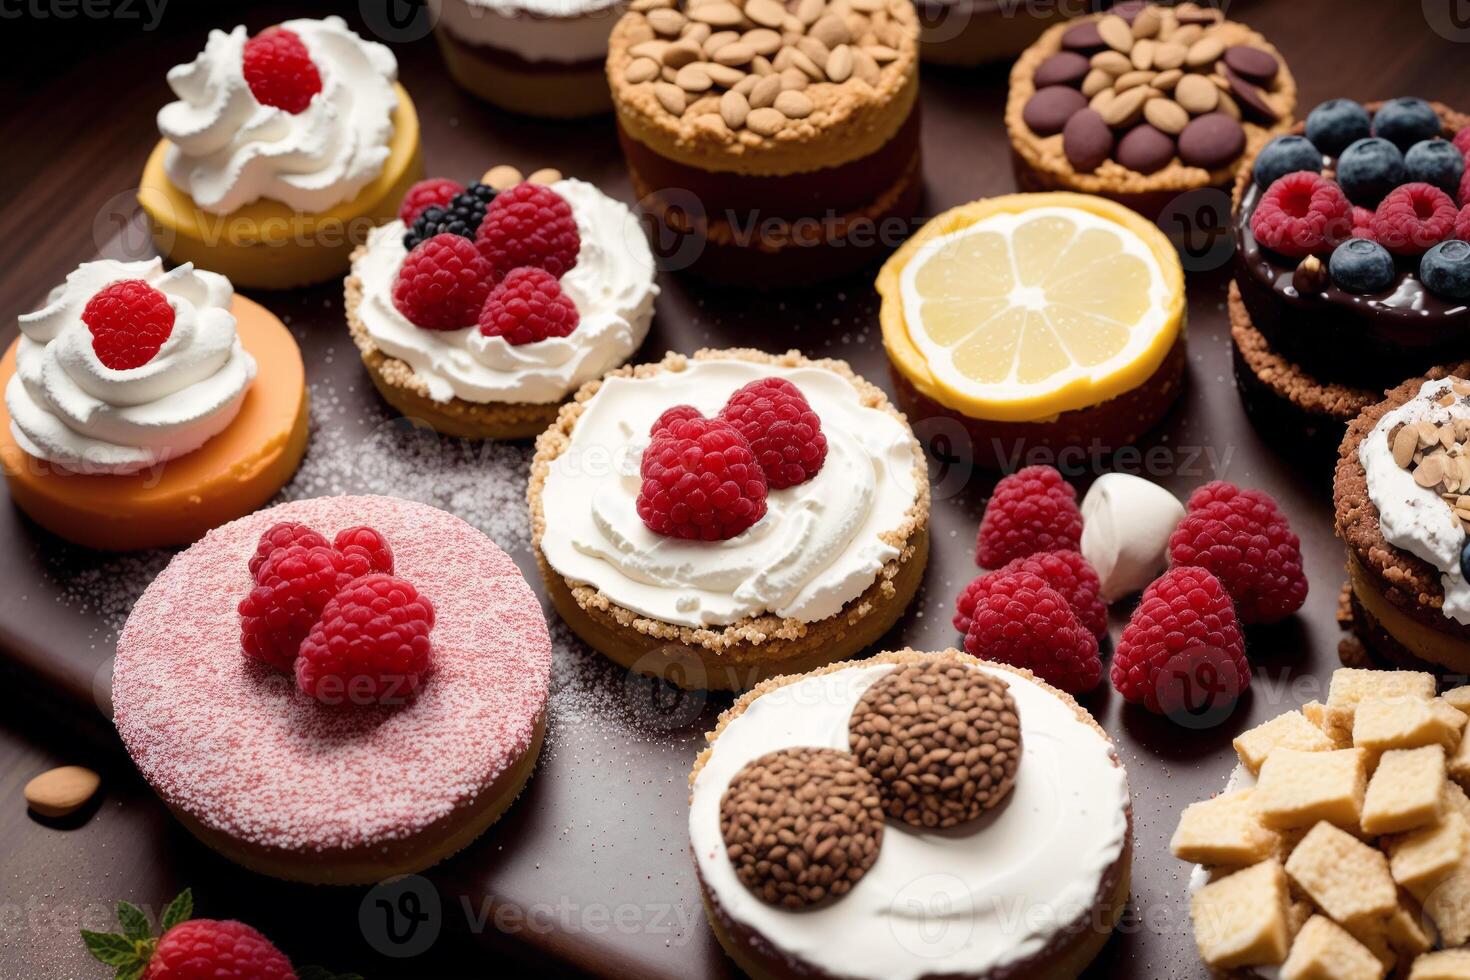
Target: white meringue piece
(1126, 523)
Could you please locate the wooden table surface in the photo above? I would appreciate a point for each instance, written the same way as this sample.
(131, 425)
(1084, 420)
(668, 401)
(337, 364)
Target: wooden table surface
(589, 872)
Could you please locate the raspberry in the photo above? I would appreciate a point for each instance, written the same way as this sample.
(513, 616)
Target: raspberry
(671, 417)
(283, 536)
(1462, 224)
(526, 306)
(371, 644)
(1464, 197)
(279, 70)
(1413, 218)
(1022, 621)
(369, 544)
(1363, 223)
(1032, 510)
(1066, 571)
(442, 284)
(783, 431)
(530, 224)
(129, 321)
(1244, 539)
(212, 949)
(1301, 214)
(293, 586)
(1462, 142)
(435, 192)
(701, 481)
(1182, 637)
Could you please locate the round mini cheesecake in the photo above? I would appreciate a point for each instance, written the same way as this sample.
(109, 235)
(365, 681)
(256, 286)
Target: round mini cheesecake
(912, 900)
(298, 788)
(1398, 490)
(776, 146)
(1145, 104)
(826, 571)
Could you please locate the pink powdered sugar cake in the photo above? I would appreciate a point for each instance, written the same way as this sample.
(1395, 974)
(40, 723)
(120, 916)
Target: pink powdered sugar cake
(349, 793)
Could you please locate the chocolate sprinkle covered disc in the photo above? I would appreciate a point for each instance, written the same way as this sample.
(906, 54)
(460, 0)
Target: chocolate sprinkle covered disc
(942, 739)
(801, 825)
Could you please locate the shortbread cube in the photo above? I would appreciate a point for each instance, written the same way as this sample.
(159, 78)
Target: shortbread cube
(1406, 791)
(1334, 720)
(1348, 879)
(1459, 697)
(1323, 950)
(1421, 859)
(1296, 788)
(1401, 723)
(1455, 800)
(1405, 931)
(1447, 964)
(1451, 714)
(1225, 830)
(1459, 761)
(1350, 686)
(1289, 731)
(1240, 920)
(1447, 904)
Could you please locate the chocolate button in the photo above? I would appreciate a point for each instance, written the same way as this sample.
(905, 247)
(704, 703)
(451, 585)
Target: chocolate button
(1087, 141)
(1083, 37)
(1129, 9)
(1050, 108)
(1211, 141)
(1257, 65)
(1251, 99)
(1062, 68)
(1145, 149)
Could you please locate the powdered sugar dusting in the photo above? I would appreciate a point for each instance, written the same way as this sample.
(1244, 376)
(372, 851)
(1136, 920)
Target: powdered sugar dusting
(235, 746)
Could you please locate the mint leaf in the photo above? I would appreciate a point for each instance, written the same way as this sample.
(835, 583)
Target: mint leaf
(133, 971)
(110, 948)
(134, 923)
(179, 910)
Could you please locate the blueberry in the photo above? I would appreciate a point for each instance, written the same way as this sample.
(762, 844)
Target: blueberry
(1465, 559)
(1285, 155)
(1369, 169)
(1336, 123)
(1404, 122)
(1362, 266)
(1436, 162)
(1445, 269)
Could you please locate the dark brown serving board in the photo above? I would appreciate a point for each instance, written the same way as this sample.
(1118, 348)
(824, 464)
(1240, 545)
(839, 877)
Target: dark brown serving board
(589, 871)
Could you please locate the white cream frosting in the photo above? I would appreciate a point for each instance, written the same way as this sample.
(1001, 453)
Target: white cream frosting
(611, 285)
(70, 409)
(1126, 523)
(962, 902)
(1412, 517)
(561, 31)
(817, 548)
(228, 150)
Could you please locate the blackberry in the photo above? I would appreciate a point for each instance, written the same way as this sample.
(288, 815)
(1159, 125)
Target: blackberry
(462, 217)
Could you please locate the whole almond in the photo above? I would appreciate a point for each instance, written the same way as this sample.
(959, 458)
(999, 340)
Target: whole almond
(717, 41)
(1116, 33)
(734, 107)
(839, 63)
(766, 13)
(765, 121)
(1169, 55)
(737, 53)
(644, 6)
(58, 792)
(800, 59)
(1142, 55)
(1166, 80)
(1102, 100)
(694, 79)
(1197, 94)
(717, 14)
(1112, 62)
(865, 68)
(815, 50)
(763, 95)
(667, 22)
(1205, 51)
(502, 177)
(698, 33)
(762, 40)
(682, 53)
(794, 79)
(831, 31)
(723, 75)
(810, 11)
(866, 6)
(747, 85)
(1133, 79)
(671, 97)
(1124, 109)
(650, 49)
(1187, 34)
(546, 176)
(641, 70)
(1148, 22)
(1227, 105)
(881, 53)
(1095, 82)
(1166, 115)
(794, 105)
(761, 65)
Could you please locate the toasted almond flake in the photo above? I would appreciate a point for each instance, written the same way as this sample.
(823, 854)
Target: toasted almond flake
(1405, 441)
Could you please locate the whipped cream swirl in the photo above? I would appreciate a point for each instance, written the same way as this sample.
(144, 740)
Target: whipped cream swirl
(228, 150)
(70, 409)
(566, 32)
(820, 545)
(611, 285)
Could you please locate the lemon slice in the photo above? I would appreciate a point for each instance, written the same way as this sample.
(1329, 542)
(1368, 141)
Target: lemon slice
(1038, 305)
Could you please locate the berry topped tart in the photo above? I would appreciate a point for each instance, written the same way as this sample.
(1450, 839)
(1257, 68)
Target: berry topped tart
(483, 307)
(1002, 847)
(777, 142)
(1352, 268)
(281, 152)
(336, 690)
(1036, 322)
(722, 518)
(144, 407)
(1144, 104)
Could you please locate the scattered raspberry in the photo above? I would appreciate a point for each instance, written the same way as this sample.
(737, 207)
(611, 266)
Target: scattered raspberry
(528, 305)
(1032, 510)
(279, 70)
(442, 283)
(1462, 141)
(1414, 218)
(1182, 645)
(370, 645)
(129, 321)
(369, 544)
(293, 586)
(1020, 620)
(672, 417)
(283, 536)
(1066, 571)
(436, 192)
(212, 949)
(1244, 539)
(1302, 214)
(785, 434)
(701, 481)
(529, 224)
(1464, 197)
(1462, 224)
(1363, 223)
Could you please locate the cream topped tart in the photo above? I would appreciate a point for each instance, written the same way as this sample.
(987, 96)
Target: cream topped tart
(685, 534)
